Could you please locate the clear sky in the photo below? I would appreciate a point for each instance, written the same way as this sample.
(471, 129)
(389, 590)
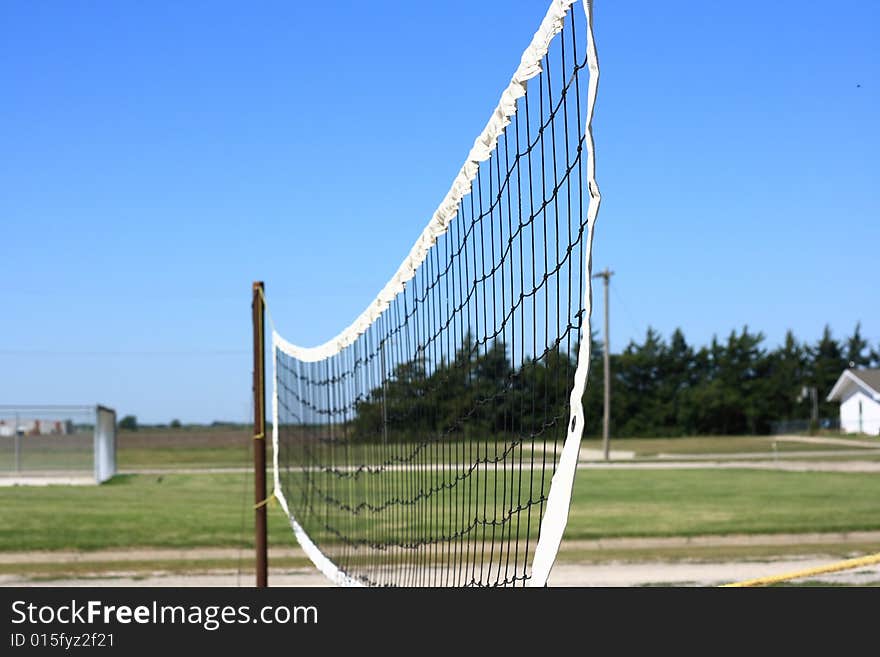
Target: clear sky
(157, 157)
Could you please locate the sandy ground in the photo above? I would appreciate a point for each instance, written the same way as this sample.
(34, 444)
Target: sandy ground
(822, 440)
(780, 465)
(113, 572)
(582, 575)
(293, 551)
(701, 574)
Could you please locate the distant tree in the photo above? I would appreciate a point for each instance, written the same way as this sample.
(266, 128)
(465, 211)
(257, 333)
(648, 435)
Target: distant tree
(678, 374)
(856, 350)
(455, 388)
(128, 423)
(728, 399)
(175, 424)
(636, 406)
(594, 395)
(659, 388)
(788, 373)
(827, 361)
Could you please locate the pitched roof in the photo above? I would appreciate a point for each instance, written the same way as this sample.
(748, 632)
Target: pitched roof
(870, 377)
(868, 380)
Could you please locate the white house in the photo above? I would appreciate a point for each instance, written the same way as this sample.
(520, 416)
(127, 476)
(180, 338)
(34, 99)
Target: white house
(858, 392)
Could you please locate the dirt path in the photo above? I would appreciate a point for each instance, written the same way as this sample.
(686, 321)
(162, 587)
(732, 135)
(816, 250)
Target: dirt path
(701, 574)
(781, 465)
(110, 566)
(787, 463)
(610, 574)
(634, 543)
(819, 440)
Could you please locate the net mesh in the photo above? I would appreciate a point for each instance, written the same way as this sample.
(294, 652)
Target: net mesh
(422, 453)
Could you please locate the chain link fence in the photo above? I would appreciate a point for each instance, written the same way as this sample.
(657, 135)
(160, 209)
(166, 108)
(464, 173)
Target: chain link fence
(41, 442)
(804, 426)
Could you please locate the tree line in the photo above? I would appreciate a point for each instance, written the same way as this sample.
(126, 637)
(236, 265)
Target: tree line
(659, 388)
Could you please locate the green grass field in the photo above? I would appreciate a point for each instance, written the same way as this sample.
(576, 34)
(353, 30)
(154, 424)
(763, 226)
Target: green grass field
(183, 448)
(215, 509)
(725, 445)
(215, 449)
(695, 502)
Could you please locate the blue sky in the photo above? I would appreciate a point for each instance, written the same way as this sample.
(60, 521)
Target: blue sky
(159, 157)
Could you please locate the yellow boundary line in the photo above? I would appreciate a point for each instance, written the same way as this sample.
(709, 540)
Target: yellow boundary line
(831, 568)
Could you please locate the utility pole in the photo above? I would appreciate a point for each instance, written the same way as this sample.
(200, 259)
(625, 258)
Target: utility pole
(814, 414)
(812, 394)
(260, 534)
(606, 349)
(18, 434)
(814, 397)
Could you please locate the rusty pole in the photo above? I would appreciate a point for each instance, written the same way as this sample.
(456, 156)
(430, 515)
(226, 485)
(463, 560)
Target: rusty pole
(260, 534)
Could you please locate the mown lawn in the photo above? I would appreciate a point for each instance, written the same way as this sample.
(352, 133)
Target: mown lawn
(137, 458)
(726, 445)
(216, 509)
(133, 511)
(206, 450)
(707, 501)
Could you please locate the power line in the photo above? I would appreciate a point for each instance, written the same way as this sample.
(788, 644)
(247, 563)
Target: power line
(639, 328)
(187, 352)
